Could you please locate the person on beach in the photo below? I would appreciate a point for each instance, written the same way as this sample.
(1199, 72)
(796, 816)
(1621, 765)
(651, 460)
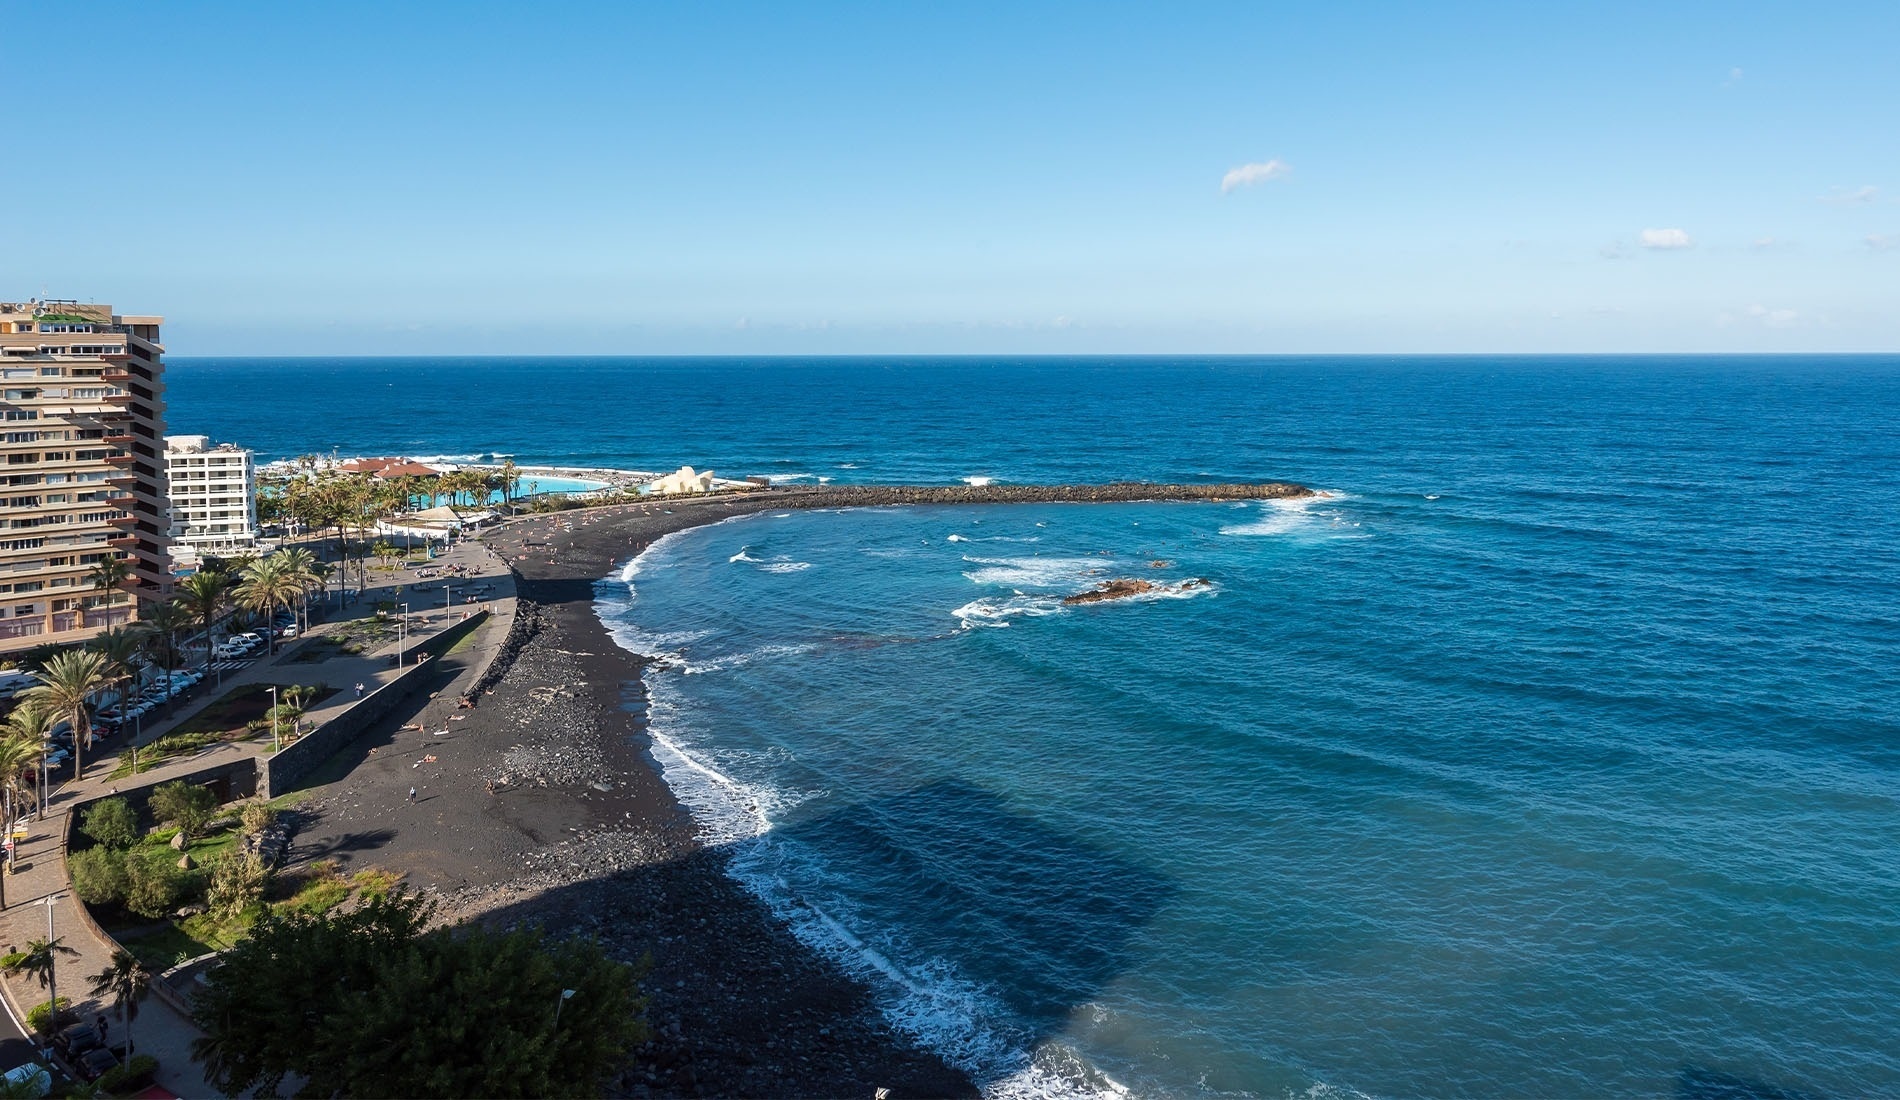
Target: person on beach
(412, 794)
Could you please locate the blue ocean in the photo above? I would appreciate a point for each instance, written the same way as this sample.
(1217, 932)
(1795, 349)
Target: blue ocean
(1553, 751)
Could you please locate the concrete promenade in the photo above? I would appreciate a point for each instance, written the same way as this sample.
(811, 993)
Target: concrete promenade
(39, 885)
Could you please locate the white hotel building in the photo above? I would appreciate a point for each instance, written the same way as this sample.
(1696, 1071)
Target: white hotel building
(213, 495)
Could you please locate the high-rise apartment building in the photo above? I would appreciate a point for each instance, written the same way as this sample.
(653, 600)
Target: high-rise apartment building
(81, 473)
(213, 495)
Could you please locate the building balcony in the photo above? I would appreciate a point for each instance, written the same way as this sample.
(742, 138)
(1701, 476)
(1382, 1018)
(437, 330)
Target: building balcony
(119, 398)
(120, 460)
(125, 440)
(123, 542)
(124, 523)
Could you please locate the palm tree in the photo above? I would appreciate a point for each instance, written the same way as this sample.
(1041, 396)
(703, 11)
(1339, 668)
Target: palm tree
(39, 960)
(203, 595)
(108, 578)
(32, 722)
(320, 576)
(163, 624)
(66, 686)
(509, 478)
(125, 980)
(17, 757)
(265, 585)
(120, 646)
(300, 565)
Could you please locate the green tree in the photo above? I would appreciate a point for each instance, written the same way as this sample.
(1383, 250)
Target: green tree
(124, 980)
(111, 822)
(204, 594)
(39, 961)
(185, 805)
(66, 686)
(368, 1003)
(99, 876)
(154, 884)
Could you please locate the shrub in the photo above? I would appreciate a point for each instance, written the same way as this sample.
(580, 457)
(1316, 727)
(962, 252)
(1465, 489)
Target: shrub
(237, 882)
(36, 1017)
(155, 885)
(185, 805)
(112, 823)
(135, 1074)
(257, 817)
(99, 875)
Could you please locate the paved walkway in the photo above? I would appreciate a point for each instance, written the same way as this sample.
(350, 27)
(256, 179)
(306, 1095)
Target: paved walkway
(39, 883)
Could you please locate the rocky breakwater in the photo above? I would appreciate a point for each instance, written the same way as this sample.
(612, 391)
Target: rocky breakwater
(857, 496)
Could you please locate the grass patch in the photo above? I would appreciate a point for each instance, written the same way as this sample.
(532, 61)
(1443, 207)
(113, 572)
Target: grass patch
(373, 882)
(220, 933)
(317, 896)
(163, 946)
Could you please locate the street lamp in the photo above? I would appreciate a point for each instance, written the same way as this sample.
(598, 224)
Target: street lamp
(403, 643)
(566, 994)
(52, 958)
(275, 745)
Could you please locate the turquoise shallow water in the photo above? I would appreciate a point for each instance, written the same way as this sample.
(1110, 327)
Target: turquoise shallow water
(1554, 755)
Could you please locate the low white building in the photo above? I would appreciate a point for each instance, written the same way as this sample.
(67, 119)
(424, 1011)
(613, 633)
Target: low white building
(213, 493)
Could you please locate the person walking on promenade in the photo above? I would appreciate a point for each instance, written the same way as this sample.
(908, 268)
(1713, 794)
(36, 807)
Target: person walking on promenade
(412, 794)
(359, 689)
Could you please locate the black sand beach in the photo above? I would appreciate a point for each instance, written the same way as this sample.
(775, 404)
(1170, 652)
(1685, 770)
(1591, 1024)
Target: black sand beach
(541, 806)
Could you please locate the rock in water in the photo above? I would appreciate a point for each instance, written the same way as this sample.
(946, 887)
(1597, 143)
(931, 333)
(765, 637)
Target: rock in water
(1111, 590)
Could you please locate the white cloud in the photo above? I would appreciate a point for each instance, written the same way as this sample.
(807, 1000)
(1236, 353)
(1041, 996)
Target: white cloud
(1852, 196)
(1664, 239)
(1882, 242)
(1774, 318)
(1249, 174)
(1734, 77)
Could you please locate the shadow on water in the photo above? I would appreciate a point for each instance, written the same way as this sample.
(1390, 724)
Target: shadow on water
(1043, 920)
(1698, 1083)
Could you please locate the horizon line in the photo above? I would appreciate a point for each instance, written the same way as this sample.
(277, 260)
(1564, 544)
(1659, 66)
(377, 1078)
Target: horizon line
(170, 358)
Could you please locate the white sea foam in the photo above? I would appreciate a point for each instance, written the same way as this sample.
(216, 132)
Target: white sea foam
(998, 611)
(784, 567)
(1064, 573)
(847, 465)
(744, 556)
(978, 479)
(956, 538)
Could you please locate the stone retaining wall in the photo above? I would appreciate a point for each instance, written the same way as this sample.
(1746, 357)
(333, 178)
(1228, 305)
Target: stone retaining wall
(280, 774)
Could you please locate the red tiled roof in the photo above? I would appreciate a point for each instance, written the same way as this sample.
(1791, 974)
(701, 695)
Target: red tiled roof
(407, 469)
(367, 465)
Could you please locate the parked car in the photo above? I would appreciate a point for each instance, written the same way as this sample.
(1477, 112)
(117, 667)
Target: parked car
(77, 1039)
(29, 1080)
(288, 630)
(94, 1063)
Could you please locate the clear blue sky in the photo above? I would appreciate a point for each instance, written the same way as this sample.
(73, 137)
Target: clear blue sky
(900, 177)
